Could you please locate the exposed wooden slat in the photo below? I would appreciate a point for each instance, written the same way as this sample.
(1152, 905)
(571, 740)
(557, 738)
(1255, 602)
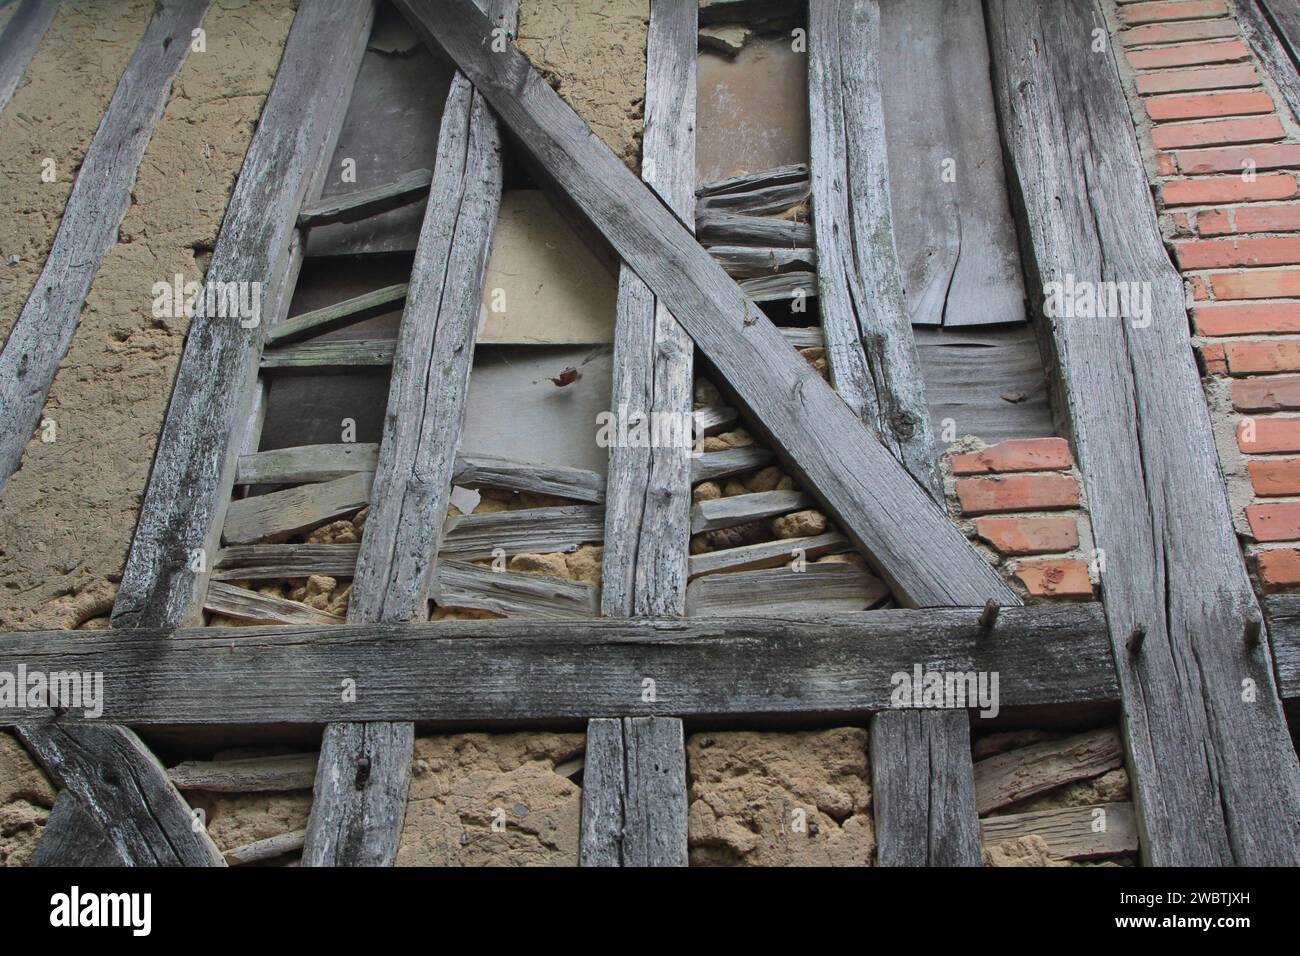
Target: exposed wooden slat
(19, 41)
(195, 464)
(318, 321)
(819, 588)
(72, 837)
(956, 239)
(364, 203)
(484, 471)
(749, 262)
(223, 598)
(869, 348)
(359, 801)
(100, 198)
(1143, 440)
(512, 594)
(714, 419)
(247, 775)
(733, 461)
(649, 488)
(1270, 45)
(1284, 629)
(782, 286)
(741, 509)
(1071, 833)
(780, 176)
(730, 229)
(306, 463)
(334, 354)
(762, 201)
(1018, 774)
(262, 561)
(267, 849)
(124, 789)
(803, 338)
(356, 820)
(536, 530)
(882, 509)
(472, 671)
(604, 794)
(295, 509)
(769, 554)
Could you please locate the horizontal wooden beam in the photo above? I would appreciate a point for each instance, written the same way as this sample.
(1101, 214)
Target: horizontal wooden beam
(1283, 612)
(492, 671)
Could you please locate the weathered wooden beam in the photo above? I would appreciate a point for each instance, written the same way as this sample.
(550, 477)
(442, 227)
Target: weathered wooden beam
(747, 182)
(714, 419)
(99, 200)
(470, 671)
(741, 509)
(760, 201)
(306, 463)
(19, 41)
(295, 509)
(485, 471)
(956, 238)
(534, 530)
(73, 837)
(634, 793)
(782, 286)
(820, 588)
(267, 849)
(1016, 775)
(732, 229)
(356, 819)
(750, 262)
(768, 554)
(1071, 833)
(363, 203)
(1265, 31)
(331, 355)
(231, 601)
(318, 321)
(649, 486)
(194, 466)
(262, 561)
(123, 788)
(511, 593)
(1143, 439)
(1284, 632)
(733, 461)
(246, 775)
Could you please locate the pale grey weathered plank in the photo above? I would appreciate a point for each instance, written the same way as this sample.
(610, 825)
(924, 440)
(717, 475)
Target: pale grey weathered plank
(295, 509)
(364, 203)
(73, 837)
(649, 488)
(231, 601)
(769, 554)
(321, 320)
(306, 463)
(604, 793)
(1018, 774)
(246, 775)
(536, 530)
(1270, 47)
(1071, 833)
(19, 41)
(99, 200)
(822, 587)
(1143, 440)
(741, 509)
(513, 594)
(469, 671)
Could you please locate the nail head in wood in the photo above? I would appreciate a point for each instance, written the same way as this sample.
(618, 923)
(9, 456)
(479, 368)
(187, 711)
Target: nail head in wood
(1135, 639)
(988, 617)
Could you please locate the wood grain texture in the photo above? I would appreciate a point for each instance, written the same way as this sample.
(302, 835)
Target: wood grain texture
(820, 588)
(124, 789)
(956, 238)
(869, 348)
(194, 466)
(741, 509)
(363, 203)
(19, 41)
(731, 229)
(485, 471)
(1016, 775)
(1284, 629)
(331, 355)
(733, 461)
(882, 509)
(747, 182)
(331, 317)
(246, 775)
(245, 605)
(99, 200)
(267, 849)
(356, 820)
(468, 671)
(462, 585)
(1142, 437)
(532, 530)
(604, 794)
(768, 554)
(72, 837)
(1071, 833)
(306, 463)
(1265, 32)
(293, 510)
(262, 561)
(648, 490)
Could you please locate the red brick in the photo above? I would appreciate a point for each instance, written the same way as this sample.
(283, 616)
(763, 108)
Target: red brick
(1180, 32)
(1217, 132)
(1275, 521)
(1279, 568)
(1017, 493)
(1270, 435)
(1272, 477)
(1135, 13)
(1183, 223)
(1165, 165)
(1251, 319)
(1029, 535)
(1274, 393)
(1216, 360)
(1256, 284)
(1029, 454)
(1209, 105)
(1254, 358)
(1206, 78)
(1221, 253)
(1057, 577)
(1200, 291)
(1232, 159)
(1269, 218)
(1225, 189)
(1189, 54)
